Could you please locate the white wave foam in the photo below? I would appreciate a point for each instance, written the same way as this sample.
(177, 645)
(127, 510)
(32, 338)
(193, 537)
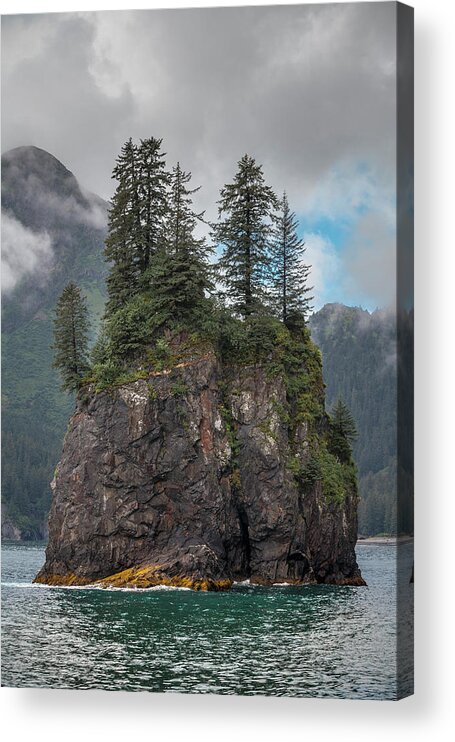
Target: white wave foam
(93, 587)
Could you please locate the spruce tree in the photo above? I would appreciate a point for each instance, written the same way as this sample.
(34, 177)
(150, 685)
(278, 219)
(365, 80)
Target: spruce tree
(245, 212)
(289, 275)
(124, 238)
(343, 430)
(71, 328)
(153, 180)
(343, 421)
(179, 274)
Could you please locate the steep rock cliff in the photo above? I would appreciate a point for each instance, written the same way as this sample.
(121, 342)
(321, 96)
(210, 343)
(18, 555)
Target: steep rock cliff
(196, 476)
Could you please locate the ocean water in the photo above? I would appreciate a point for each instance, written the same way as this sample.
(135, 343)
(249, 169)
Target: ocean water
(329, 641)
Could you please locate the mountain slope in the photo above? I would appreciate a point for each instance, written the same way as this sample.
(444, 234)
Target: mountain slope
(52, 232)
(359, 362)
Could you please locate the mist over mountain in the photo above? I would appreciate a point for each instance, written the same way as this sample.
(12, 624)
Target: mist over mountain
(360, 365)
(50, 228)
(52, 232)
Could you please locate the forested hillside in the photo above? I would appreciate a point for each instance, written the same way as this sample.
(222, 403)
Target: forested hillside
(51, 231)
(360, 366)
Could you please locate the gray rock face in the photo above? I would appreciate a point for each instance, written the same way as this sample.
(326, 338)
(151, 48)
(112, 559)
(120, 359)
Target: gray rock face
(184, 478)
(10, 532)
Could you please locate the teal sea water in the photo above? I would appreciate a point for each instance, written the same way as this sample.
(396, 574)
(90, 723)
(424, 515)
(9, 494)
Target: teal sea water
(327, 641)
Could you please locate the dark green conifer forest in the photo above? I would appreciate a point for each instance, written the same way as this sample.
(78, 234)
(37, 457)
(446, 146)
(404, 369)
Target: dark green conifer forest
(360, 363)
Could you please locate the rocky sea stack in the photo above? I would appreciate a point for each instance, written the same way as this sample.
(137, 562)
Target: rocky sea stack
(200, 451)
(200, 472)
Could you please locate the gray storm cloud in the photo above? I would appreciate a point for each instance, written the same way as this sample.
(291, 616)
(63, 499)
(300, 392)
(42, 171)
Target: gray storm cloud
(370, 261)
(308, 90)
(66, 208)
(301, 87)
(23, 252)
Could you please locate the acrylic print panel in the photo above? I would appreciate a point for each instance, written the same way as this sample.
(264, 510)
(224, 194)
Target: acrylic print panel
(207, 355)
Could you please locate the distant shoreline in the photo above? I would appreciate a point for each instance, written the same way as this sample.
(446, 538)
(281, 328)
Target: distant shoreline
(384, 540)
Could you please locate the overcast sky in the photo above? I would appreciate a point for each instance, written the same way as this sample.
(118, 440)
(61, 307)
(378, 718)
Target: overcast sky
(308, 90)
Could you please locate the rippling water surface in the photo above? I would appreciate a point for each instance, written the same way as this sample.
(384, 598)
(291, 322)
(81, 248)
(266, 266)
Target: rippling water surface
(306, 641)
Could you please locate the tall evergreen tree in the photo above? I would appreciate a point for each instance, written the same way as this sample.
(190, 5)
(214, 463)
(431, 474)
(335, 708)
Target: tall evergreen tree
(289, 275)
(343, 421)
(179, 275)
(153, 180)
(246, 205)
(124, 237)
(182, 218)
(71, 328)
(344, 431)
